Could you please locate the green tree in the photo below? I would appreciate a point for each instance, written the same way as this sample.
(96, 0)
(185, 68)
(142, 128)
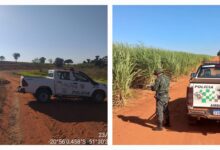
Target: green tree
(42, 60)
(16, 56)
(97, 58)
(88, 61)
(104, 61)
(59, 62)
(100, 62)
(50, 61)
(68, 61)
(2, 58)
(36, 61)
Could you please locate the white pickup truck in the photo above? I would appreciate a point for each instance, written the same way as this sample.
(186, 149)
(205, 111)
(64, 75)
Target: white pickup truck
(203, 93)
(63, 83)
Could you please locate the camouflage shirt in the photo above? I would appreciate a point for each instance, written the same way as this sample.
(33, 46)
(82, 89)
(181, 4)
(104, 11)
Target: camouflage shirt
(161, 85)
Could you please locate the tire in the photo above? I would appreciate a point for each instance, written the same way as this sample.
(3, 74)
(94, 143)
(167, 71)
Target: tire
(192, 120)
(43, 95)
(35, 95)
(98, 96)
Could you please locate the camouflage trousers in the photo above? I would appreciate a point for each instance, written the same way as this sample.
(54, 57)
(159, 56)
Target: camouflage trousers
(162, 110)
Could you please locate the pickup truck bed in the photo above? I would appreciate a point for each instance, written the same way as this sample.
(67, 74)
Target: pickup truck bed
(34, 83)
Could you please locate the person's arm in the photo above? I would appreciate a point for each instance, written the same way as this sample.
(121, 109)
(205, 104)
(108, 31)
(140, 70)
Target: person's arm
(156, 85)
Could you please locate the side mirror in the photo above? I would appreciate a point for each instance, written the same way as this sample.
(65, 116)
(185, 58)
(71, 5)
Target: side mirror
(193, 75)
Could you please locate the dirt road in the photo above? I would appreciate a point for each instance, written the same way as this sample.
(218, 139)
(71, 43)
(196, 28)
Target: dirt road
(133, 124)
(25, 121)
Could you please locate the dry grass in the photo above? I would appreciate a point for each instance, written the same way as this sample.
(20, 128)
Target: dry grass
(3, 97)
(3, 93)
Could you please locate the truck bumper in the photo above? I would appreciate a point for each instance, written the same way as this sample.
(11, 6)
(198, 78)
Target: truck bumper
(202, 113)
(20, 89)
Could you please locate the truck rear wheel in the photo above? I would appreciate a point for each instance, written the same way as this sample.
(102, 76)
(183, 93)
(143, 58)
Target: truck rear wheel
(43, 95)
(192, 120)
(98, 96)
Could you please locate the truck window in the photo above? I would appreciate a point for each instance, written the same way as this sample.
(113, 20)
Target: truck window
(79, 77)
(63, 75)
(206, 72)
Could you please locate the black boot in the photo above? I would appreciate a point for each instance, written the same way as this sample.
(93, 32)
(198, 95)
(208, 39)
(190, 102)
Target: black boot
(159, 127)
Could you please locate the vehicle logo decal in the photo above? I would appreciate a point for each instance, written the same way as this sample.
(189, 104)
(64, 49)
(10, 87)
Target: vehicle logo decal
(205, 95)
(198, 95)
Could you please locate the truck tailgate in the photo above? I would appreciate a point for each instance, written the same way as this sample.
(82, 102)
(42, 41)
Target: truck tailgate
(206, 95)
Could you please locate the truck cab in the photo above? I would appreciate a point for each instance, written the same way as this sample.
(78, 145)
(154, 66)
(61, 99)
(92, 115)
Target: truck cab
(203, 92)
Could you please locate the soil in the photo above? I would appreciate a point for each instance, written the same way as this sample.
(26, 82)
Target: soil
(26, 121)
(133, 124)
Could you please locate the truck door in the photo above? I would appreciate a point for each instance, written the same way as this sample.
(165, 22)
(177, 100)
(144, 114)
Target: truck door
(84, 86)
(63, 84)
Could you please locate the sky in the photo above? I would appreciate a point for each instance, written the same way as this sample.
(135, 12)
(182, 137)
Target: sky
(69, 32)
(193, 29)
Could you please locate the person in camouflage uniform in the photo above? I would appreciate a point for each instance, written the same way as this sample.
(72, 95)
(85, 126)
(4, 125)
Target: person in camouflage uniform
(161, 86)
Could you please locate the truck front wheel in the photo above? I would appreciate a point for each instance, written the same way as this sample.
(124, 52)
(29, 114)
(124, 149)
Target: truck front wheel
(98, 96)
(43, 95)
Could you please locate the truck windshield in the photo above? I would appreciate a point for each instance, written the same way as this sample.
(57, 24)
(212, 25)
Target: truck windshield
(79, 77)
(209, 72)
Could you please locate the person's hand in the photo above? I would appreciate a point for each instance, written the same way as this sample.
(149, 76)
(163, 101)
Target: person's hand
(149, 86)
